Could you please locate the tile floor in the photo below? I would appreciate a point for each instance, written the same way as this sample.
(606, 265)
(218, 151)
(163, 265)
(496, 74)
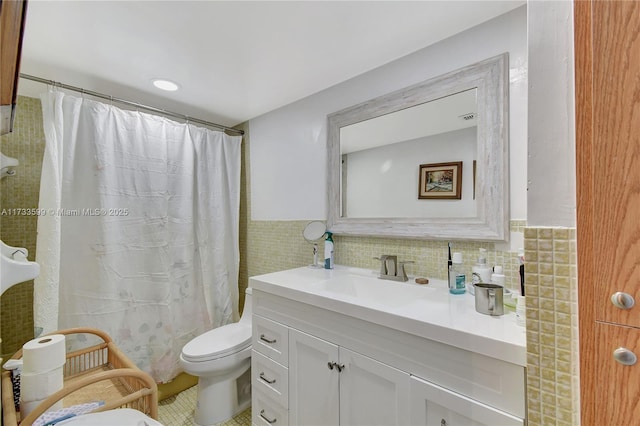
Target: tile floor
(179, 410)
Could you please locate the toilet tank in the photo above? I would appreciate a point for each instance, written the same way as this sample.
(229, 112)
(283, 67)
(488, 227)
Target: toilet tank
(246, 313)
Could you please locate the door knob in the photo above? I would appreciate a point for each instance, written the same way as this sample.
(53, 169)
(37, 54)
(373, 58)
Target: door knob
(622, 300)
(625, 356)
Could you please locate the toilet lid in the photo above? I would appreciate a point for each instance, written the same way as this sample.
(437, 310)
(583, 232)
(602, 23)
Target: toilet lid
(218, 342)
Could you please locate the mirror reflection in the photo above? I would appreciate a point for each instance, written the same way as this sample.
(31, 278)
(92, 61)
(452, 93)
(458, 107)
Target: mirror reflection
(439, 173)
(381, 159)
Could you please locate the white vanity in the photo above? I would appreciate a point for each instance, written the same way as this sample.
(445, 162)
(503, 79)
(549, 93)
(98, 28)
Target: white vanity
(341, 347)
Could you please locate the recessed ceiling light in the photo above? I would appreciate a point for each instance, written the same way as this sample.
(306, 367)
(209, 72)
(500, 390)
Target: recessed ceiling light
(167, 85)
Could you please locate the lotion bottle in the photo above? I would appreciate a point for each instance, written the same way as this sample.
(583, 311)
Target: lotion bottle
(328, 251)
(481, 272)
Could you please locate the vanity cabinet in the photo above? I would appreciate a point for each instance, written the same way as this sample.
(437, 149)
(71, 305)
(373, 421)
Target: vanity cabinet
(331, 385)
(312, 366)
(322, 383)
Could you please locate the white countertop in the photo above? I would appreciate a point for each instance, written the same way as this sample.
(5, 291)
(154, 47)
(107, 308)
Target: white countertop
(428, 311)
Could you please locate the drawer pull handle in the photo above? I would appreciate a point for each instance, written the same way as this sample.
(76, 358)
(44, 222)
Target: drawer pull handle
(624, 356)
(340, 367)
(330, 365)
(269, 341)
(264, 378)
(266, 419)
(622, 300)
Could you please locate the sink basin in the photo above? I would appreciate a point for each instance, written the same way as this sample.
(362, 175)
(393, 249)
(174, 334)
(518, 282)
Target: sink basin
(371, 290)
(428, 311)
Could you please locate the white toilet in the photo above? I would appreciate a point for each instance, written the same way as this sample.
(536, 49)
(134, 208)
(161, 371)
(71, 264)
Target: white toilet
(221, 358)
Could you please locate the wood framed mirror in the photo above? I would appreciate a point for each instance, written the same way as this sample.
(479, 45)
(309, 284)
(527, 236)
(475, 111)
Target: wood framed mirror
(376, 148)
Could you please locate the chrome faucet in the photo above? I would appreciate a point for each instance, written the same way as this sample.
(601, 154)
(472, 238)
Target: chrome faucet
(391, 269)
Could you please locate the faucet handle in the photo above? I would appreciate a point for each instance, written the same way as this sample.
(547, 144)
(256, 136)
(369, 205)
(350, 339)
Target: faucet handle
(383, 264)
(401, 271)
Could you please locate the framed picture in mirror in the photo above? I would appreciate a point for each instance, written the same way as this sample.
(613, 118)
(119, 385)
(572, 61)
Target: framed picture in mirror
(440, 181)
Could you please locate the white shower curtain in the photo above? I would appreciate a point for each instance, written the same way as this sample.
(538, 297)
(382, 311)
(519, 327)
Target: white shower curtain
(138, 231)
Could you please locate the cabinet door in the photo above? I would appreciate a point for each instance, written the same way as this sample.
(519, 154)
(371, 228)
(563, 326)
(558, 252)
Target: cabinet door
(313, 380)
(433, 405)
(372, 393)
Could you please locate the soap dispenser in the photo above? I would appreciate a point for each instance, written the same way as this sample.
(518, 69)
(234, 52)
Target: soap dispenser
(481, 272)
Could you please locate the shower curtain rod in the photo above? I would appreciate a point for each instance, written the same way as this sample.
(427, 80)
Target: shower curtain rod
(131, 103)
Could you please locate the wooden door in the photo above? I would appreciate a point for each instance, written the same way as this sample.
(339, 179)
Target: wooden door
(607, 51)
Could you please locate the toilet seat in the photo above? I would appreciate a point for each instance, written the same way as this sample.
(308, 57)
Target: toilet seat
(218, 343)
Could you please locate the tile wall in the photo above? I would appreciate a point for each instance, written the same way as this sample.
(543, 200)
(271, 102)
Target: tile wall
(26, 143)
(552, 326)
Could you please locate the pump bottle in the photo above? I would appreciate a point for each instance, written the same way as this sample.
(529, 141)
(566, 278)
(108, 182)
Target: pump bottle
(481, 272)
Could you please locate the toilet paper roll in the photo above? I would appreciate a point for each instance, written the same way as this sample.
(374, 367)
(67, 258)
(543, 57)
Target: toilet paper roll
(27, 407)
(43, 354)
(39, 386)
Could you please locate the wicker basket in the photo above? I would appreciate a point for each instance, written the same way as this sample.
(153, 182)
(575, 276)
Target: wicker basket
(100, 372)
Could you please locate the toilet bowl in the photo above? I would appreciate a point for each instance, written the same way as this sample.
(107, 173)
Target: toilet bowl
(221, 358)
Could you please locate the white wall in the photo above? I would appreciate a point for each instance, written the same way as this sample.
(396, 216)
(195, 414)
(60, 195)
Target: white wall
(552, 158)
(380, 187)
(288, 145)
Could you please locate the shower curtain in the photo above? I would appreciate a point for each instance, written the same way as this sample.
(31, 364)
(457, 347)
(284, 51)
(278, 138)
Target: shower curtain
(138, 229)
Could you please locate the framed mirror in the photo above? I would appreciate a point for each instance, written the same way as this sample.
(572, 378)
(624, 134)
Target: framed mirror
(429, 161)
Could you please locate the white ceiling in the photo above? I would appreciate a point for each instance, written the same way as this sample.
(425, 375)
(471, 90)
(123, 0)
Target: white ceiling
(235, 60)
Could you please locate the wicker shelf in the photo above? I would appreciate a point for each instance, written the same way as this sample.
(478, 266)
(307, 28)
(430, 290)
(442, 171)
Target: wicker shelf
(97, 373)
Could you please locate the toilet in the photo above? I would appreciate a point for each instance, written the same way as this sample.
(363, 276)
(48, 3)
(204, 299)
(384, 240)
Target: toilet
(221, 358)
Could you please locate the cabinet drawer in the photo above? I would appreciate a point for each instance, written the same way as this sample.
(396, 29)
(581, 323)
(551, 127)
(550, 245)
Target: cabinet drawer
(435, 405)
(266, 412)
(271, 339)
(270, 377)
